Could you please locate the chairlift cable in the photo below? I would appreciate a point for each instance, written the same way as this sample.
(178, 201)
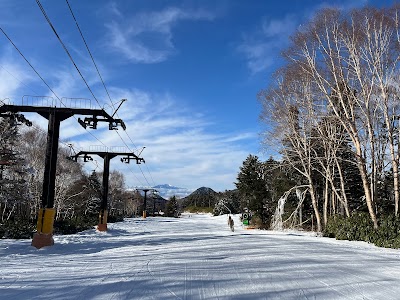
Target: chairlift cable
(37, 73)
(66, 50)
(104, 85)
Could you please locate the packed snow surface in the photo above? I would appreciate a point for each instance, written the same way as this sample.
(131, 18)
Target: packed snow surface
(196, 257)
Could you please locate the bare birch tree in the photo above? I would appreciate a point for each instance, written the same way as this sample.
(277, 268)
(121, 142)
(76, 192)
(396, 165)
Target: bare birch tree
(352, 60)
(288, 105)
(330, 50)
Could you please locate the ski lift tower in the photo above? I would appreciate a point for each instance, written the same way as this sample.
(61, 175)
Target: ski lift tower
(106, 156)
(145, 190)
(56, 111)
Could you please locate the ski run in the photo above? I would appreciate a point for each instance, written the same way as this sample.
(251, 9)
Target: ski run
(196, 257)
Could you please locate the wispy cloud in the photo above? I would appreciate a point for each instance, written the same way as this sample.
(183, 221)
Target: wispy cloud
(182, 147)
(261, 48)
(112, 8)
(175, 139)
(13, 75)
(147, 37)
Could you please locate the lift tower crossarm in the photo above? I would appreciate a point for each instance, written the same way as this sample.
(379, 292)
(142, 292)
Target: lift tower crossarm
(65, 112)
(127, 155)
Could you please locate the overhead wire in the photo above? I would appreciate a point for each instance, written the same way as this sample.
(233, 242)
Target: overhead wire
(69, 55)
(66, 50)
(132, 151)
(104, 85)
(150, 174)
(72, 60)
(95, 65)
(23, 56)
(33, 68)
(97, 69)
(66, 143)
(90, 53)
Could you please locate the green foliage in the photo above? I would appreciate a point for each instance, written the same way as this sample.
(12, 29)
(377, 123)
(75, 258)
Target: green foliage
(388, 234)
(198, 209)
(75, 225)
(171, 209)
(359, 227)
(252, 186)
(228, 202)
(260, 184)
(17, 229)
(202, 197)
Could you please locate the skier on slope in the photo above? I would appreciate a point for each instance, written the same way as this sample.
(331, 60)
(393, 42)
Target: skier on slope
(231, 223)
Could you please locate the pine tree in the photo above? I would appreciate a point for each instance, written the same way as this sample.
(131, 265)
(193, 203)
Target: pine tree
(252, 188)
(171, 209)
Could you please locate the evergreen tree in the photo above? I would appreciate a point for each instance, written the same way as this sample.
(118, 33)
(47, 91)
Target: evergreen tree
(277, 182)
(352, 176)
(171, 209)
(252, 188)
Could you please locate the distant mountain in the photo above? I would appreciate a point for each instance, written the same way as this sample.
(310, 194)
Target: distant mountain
(203, 191)
(202, 197)
(167, 191)
(166, 186)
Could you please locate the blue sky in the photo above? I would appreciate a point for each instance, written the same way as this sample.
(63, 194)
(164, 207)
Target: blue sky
(190, 71)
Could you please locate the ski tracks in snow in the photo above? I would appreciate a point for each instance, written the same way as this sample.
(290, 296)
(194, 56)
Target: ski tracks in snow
(197, 257)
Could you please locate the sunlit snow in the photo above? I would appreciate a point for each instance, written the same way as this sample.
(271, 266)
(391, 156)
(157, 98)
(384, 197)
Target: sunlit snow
(196, 257)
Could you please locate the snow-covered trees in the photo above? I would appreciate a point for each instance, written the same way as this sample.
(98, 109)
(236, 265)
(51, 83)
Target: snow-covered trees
(228, 202)
(261, 184)
(13, 174)
(116, 199)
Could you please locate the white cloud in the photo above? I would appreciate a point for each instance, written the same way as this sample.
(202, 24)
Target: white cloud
(13, 75)
(261, 48)
(112, 7)
(279, 29)
(180, 148)
(11, 84)
(147, 37)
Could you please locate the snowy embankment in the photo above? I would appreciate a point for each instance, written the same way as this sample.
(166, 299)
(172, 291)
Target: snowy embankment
(196, 257)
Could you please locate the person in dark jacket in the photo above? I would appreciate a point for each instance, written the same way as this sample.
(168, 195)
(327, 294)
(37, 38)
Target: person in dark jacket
(231, 223)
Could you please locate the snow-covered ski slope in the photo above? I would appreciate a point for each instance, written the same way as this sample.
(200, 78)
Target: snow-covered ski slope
(196, 257)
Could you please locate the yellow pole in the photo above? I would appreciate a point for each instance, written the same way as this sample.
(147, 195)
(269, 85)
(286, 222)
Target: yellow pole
(44, 235)
(102, 226)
